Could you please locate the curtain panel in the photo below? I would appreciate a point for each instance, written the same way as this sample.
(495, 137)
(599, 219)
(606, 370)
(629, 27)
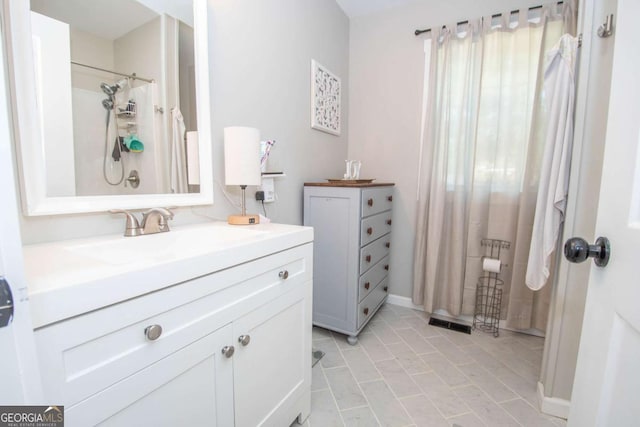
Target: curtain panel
(480, 159)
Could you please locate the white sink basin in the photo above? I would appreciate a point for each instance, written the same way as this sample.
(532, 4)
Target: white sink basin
(175, 244)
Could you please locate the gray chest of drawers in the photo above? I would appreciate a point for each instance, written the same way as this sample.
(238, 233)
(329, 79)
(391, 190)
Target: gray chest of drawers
(352, 244)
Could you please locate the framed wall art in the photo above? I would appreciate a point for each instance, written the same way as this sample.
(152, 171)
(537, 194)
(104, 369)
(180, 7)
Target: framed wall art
(325, 99)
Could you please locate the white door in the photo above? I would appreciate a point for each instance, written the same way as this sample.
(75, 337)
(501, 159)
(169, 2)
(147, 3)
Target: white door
(19, 375)
(607, 382)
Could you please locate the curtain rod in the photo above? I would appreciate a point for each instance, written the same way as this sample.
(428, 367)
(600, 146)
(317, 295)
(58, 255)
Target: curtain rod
(131, 76)
(497, 15)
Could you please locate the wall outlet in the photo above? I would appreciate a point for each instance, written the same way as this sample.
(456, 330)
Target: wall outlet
(259, 196)
(269, 189)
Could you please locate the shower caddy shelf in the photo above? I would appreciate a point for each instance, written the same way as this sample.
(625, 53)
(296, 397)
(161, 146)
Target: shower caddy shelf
(486, 316)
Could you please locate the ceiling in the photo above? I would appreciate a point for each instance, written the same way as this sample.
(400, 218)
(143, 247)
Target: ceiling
(353, 8)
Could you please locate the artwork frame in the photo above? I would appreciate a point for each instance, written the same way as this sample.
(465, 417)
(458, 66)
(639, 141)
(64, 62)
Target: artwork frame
(326, 93)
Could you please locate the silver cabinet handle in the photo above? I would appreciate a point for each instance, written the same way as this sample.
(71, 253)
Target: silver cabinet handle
(244, 339)
(284, 274)
(228, 350)
(153, 332)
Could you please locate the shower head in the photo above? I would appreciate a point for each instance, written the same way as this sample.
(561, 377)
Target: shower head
(108, 89)
(107, 104)
(111, 90)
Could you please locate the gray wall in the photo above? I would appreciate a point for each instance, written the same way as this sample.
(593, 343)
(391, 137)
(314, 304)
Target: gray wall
(260, 56)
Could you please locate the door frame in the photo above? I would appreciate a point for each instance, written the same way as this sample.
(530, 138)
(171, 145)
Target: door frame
(570, 286)
(19, 350)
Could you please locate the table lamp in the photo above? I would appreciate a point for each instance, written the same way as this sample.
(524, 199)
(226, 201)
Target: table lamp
(242, 166)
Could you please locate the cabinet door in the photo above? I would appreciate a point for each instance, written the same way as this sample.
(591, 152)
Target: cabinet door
(192, 386)
(272, 372)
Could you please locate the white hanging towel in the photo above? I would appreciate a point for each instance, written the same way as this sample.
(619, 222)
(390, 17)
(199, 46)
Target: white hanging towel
(178, 153)
(559, 93)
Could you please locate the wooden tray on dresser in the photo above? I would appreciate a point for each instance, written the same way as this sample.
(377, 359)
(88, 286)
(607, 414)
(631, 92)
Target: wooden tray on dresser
(350, 181)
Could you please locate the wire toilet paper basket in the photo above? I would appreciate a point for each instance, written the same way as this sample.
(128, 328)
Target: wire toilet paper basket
(486, 315)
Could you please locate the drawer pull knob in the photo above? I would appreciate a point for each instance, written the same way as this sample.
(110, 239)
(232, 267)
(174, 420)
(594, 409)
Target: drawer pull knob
(369, 231)
(228, 351)
(284, 274)
(366, 285)
(386, 267)
(366, 311)
(153, 332)
(386, 288)
(390, 198)
(244, 340)
(370, 202)
(388, 222)
(388, 245)
(368, 258)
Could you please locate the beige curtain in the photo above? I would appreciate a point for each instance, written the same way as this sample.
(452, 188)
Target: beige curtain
(488, 190)
(445, 182)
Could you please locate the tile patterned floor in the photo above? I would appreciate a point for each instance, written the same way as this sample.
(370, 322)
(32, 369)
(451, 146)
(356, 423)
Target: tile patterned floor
(404, 372)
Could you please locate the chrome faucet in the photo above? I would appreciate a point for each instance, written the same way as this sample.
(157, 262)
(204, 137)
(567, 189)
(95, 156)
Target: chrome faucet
(153, 221)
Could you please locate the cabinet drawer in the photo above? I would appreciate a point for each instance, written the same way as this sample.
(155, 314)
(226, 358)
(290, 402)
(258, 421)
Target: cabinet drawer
(373, 252)
(371, 278)
(376, 200)
(374, 227)
(91, 352)
(372, 302)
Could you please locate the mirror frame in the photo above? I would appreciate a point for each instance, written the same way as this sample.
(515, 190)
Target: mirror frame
(27, 132)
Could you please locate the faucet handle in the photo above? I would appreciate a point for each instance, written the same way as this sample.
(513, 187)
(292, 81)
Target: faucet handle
(133, 227)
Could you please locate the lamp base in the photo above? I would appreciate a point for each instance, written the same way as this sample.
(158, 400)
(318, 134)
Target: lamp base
(243, 219)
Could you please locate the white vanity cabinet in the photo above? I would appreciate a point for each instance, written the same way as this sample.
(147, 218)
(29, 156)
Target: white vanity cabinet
(234, 349)
(352, 244)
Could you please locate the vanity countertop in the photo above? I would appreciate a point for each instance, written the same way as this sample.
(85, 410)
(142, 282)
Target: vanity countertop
(71, 277)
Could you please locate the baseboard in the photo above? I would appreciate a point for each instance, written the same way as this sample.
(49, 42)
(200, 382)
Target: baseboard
(403, 302)
(406, 302)
(552, 405)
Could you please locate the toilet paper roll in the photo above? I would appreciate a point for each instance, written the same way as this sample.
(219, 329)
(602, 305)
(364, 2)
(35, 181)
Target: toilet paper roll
(491, 265)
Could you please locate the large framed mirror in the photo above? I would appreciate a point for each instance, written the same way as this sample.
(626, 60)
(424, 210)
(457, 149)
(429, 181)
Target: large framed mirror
(111, 101)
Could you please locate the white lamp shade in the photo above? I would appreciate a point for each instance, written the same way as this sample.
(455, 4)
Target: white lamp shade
(241, 156)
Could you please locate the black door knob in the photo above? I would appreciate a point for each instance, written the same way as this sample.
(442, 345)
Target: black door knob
(576, 249)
